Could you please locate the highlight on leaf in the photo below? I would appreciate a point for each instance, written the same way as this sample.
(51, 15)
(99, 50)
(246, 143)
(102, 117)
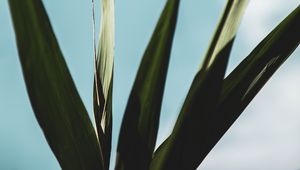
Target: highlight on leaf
(104, 78)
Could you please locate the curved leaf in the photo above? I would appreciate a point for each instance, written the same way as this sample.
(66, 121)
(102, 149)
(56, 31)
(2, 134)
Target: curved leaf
(187, 146)
(247, 79)
(53, 95)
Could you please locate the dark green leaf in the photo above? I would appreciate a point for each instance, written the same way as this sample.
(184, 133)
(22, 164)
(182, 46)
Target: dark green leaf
(140, 123)
(241, 86)
(187, 146)
(54, 98)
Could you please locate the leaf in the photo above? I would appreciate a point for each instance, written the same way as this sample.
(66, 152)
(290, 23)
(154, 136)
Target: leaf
(104, 74)
(187, 146)
(140, 123)
(247, 79)
(53, 95)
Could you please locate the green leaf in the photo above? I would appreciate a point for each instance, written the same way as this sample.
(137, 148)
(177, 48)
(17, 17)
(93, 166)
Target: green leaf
(104, 74)
(225, 32)
(246, 80)
(53, 95)
(140, 123)
(187, 146)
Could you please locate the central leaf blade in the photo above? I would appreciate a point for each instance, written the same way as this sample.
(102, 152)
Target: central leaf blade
(140, 123)
(104, 79)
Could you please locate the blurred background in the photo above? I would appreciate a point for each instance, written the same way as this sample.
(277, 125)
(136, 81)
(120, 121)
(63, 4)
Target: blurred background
(265, 137)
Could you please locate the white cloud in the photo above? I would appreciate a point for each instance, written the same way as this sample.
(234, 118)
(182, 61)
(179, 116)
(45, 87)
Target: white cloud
(262, 16)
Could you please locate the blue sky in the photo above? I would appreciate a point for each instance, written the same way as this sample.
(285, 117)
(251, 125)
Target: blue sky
(265, 137)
